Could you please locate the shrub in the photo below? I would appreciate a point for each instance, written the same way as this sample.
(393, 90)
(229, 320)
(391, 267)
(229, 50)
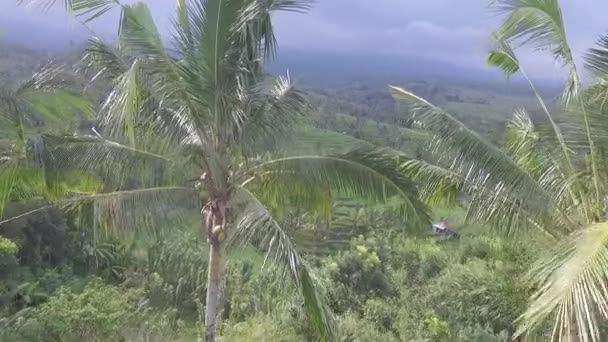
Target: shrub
(350, 328)
(8, 261)
(7, 247)
(381, 312)
(260, 328)
(358, 274)
(97, 313)
(476, 294)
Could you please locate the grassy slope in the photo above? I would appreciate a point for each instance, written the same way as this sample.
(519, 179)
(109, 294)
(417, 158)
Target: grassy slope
(349, 133)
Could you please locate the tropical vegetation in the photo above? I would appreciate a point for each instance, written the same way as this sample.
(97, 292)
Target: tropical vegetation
(549, 176)
(165, 189)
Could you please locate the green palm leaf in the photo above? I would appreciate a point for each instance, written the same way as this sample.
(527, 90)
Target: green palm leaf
(438, 186)
(540, 24)
(128, 211)
(256, 226)
(117, 164)
(105, 60)
(596, 59)
(503, 57)
(367, 174)
(255, 21)
(47, 96)
(140, 210)
(89, 9)
(273, 113)
(571, 287)
(484, 166)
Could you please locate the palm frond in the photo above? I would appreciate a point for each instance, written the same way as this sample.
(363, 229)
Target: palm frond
(130, 211)
(437, 186)
(572, 287)
(148, 96)
(596, 59)
(46, 96)
(256, 226)
(282, 194)
(503, 57)
(123, 105)
(105, 60)
(483, 165)
(273, 113)
(135, 211)
(133, 112)
(117, 164)
(88, 9)
(22, 182)
(8, 174)
(369, 174)
(227, 65)
(255, 22)
(140, 39)
(221, 48)
(540, 23)
(521, 142)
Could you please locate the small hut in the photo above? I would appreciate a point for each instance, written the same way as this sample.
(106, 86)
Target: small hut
(443, 229)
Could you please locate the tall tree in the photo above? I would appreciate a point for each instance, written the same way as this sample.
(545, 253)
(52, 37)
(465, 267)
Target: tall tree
(550, 177)
(181, 124)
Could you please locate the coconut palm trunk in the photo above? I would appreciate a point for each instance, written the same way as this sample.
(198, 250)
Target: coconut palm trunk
(214, 216)
(214, 282)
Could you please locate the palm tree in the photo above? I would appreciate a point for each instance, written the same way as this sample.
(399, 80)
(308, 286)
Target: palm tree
(183, 126)
(551, 177)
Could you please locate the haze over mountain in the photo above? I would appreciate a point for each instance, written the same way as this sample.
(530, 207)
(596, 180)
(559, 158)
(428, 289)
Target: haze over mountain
(378, 38)
(309, 66)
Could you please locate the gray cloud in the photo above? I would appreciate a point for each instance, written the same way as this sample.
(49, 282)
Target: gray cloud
(446, 30)
(452, 31)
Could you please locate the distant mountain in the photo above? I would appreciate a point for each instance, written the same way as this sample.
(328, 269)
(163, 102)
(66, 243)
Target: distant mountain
(319, 70)
(313, 67)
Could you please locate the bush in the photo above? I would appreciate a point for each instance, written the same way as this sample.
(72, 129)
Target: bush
(8, 261)
(350, 328)
(7, 247)
(260, 328)
(380, 312)
(97, 313)
(476, 293)
(461, 297)
(479, 334)
(358, 274)
(40, 236)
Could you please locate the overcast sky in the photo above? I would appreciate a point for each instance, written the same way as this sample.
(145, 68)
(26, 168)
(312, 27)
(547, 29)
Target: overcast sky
(455, 31)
